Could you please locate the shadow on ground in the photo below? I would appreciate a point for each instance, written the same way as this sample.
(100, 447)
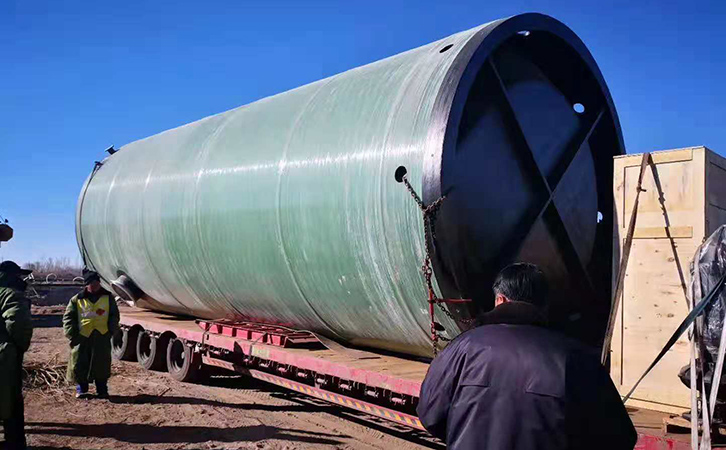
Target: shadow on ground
(384, 426)
(151, 434)
(45, 447)
(142, 399)
(300, 403)
(47, 320)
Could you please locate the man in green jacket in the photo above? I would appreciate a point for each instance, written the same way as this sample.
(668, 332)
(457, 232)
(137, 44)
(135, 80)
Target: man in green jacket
(90, 320)
(16, 330)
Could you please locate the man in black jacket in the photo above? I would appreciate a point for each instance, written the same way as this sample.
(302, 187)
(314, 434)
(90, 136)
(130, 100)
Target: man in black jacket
(512, 384)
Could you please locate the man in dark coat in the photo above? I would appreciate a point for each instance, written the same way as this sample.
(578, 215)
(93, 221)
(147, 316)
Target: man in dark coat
(512, 384)
(90, 320)
(16, 330)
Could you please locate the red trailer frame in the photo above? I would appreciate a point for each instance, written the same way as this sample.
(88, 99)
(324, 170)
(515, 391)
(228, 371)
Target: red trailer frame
(373, 383)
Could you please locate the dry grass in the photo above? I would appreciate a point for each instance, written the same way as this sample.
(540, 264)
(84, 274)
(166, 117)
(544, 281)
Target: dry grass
(45, 375)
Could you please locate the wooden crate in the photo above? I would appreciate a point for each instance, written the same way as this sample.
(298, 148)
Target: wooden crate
(692, 183)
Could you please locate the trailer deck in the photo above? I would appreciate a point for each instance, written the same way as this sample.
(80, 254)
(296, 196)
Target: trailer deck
(397, 374)
(381, 385)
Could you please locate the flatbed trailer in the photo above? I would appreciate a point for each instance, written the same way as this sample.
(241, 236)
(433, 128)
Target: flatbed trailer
(382, 385)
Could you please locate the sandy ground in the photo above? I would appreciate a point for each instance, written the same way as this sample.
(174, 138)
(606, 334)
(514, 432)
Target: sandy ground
(149, 410)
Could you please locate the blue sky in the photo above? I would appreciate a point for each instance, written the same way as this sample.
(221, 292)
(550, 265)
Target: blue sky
(78, 76)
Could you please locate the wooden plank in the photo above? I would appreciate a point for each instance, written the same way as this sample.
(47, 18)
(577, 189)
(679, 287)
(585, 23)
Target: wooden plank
(682, 232)
(655, 406)
(679, 182)
(623, 262)
(659, 157)
(650, 423)
(616, 346)
(679, 425)
(701, 183)
(654, 305)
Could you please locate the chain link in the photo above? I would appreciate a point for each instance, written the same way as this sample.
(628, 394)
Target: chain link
(429, 217)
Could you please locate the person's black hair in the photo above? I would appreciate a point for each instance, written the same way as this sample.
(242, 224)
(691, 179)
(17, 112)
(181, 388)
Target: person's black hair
(89, 276)
(522, 282)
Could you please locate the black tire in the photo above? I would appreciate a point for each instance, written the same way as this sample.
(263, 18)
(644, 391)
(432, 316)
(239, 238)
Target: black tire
(123, 344)
(182, 362)
(151, 351)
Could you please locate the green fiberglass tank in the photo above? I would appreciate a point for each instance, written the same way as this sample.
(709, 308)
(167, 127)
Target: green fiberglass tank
(287, 210)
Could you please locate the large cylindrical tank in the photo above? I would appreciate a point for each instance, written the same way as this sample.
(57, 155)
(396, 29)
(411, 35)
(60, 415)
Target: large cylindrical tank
(287, 210)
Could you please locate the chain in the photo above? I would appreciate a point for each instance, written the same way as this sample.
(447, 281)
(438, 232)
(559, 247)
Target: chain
(429, 217)
(432, 232)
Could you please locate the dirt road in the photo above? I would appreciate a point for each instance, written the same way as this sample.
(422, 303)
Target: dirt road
(149, 410)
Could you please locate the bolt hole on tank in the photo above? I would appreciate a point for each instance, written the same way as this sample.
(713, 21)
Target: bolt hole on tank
(290, 210)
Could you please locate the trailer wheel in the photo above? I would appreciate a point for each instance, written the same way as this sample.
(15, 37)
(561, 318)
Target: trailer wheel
(151, 351)
(123, 344)
(182, 362)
